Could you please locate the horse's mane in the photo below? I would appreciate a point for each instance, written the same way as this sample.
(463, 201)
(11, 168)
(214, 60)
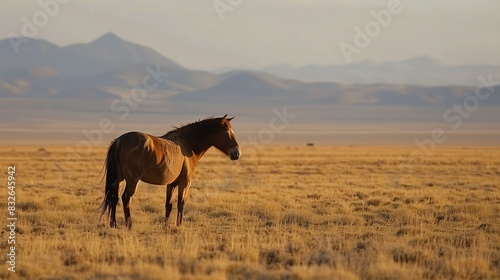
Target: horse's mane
(205, 126)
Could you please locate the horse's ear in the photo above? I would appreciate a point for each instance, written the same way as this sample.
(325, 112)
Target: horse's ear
(224, 119)
(230, 119)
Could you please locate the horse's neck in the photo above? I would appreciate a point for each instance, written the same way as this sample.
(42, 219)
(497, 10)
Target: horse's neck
(191, 145)
(198, 147)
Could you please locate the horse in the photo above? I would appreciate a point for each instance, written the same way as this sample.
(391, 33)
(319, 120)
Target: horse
(169, 160)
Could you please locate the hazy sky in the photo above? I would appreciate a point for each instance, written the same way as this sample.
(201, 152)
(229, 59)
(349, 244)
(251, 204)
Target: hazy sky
(258, 33)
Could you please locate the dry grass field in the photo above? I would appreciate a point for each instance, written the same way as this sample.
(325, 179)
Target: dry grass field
(283, 213)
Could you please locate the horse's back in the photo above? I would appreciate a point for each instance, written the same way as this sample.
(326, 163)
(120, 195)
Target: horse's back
(129, 140)
(135, 141)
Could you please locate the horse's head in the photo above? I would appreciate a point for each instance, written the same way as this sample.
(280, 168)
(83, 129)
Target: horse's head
(225, 141)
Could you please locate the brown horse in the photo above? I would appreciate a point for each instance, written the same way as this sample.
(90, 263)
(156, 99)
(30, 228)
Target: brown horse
(169, 160)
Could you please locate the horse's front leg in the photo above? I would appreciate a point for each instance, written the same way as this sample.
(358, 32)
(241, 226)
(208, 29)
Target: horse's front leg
(168, 201)
(182, 195)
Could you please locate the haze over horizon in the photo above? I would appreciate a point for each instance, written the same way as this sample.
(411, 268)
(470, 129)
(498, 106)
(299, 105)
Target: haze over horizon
(68, 90)
(257, 34)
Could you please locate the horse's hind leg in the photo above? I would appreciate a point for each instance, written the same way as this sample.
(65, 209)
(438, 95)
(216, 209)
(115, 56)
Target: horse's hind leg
(168, 201)
(126, 197)
(112, 220)
(113, 201)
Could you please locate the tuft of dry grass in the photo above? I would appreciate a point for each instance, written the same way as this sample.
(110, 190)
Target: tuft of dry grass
(283, 213)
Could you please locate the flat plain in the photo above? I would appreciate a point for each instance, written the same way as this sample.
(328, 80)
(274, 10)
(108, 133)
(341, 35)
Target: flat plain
(284, 212)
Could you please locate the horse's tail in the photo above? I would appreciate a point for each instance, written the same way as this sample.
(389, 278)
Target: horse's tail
(112, 171)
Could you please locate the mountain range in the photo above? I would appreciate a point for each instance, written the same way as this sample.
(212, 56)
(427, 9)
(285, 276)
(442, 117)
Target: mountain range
(110, 67)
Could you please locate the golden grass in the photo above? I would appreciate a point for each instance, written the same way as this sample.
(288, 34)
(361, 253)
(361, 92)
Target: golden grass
(284, 213)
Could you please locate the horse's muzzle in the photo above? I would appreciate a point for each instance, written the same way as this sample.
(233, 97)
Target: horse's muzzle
(234, 153)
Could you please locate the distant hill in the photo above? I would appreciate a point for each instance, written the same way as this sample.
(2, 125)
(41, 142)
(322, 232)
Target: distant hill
(255, 87)
(423, 71)
(104, 54)
(87, 70)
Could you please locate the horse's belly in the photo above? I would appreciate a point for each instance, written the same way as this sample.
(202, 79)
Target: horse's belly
(158, 176)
